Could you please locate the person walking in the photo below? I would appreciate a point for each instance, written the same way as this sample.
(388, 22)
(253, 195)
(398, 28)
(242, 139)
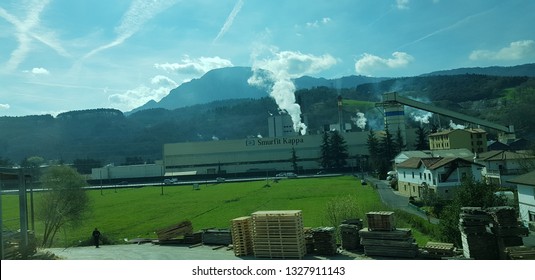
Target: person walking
(96, 237)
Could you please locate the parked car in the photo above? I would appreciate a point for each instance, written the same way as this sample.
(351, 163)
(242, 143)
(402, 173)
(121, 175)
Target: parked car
(291, 175)
(220, 179)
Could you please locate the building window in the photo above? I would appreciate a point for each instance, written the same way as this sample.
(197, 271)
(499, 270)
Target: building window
(413, 174)
(404, 175)
(420, 175)
(531, 216)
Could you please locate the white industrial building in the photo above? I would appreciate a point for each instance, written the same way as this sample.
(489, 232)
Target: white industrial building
(255, 154)
(526, 198)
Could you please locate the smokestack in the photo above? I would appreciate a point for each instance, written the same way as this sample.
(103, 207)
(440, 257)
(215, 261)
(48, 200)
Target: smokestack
(340, 113)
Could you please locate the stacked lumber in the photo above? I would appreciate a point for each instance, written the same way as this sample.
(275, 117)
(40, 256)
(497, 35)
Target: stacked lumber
(477, 240)
(520, 253)
(349, 232)
(397, 243)
(216, 237)
(278, 234)
(242, 238)
(507, 228)
(381, 220)
(437, 250)
(324, 240)
(193, 238)
(309, 240)
(174, 231)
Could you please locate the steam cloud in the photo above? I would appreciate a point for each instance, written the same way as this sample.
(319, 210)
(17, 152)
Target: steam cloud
(421, 116)
(360, 120)
(276, 73)
(456, 126)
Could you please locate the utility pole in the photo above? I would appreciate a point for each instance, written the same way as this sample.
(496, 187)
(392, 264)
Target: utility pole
(23, 211)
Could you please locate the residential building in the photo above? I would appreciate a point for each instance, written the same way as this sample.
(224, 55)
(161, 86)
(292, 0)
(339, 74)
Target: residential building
(473, 139)
(418, 177)
(461, 153)
(500, 166)
(525, 185)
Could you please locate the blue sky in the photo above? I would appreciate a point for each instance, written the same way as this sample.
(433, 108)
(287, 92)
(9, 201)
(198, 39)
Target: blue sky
(62, 55)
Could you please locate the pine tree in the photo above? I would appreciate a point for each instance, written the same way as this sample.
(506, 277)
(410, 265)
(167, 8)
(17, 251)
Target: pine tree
(421, 139)
(373, 149)
(398, 142)
(325, 152)
(294, 160)
(338, 149)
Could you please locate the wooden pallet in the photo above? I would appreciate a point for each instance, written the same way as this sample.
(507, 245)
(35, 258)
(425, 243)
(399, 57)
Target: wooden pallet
(381, 220)
(278, 234)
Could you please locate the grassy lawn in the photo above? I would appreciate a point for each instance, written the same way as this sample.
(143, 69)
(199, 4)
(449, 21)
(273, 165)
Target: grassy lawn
(132, 213)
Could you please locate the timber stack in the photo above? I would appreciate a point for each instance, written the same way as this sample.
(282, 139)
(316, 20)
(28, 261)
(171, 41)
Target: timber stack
(478, 242)
(381, 238)
(278, 234)
(174, 233)
(507, 228)
(324, 241)
(349, 232)
(437, 250)
(242, 239)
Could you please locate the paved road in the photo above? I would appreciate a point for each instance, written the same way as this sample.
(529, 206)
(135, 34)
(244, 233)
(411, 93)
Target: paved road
(395, 200)
(148, 251)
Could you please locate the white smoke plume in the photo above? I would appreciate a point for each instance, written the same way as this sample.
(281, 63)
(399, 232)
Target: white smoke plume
(456, 126)
(276, 73)
(421, 116)
(215, 138)
(360, 120)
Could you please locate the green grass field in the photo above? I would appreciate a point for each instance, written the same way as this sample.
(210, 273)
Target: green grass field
(131, 213)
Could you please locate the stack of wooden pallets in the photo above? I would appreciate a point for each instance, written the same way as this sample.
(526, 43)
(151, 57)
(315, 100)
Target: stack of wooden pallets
(437, 250)
(478, 242)
(507, 228)
(324, 241)
(381, 238)
(242, 239)
(278, 234)
(349, 232)
(397, 243)
(381, 220)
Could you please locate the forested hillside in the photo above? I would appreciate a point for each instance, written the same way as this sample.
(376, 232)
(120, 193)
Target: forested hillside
(107, 135)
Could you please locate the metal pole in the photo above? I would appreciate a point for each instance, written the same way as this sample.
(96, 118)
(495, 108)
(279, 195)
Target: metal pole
(1, 217)
(23, 212)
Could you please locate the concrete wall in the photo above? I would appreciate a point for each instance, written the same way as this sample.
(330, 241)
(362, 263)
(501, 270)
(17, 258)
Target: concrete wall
(526, 202)
(127, 171)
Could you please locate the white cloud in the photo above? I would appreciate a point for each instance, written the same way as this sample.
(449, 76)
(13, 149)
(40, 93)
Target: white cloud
(515, 51)
(139, 12)
(317, 23)
(196, 66)
(370, 63)
(402, 4)
(230, 20)
(133, 98)
(40, 71)
(4, 106)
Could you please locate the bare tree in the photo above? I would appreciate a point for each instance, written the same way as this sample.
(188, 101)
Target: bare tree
(64, 203)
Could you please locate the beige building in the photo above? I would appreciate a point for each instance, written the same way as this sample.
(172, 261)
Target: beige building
(255, 154)
(473, 139)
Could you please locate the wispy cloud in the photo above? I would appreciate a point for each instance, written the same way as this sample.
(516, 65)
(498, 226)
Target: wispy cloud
(229, 21)
(370, 63)
(4, 106)
(402, 4)
(515, 51)
(139, 12)
(133, 98)
(318, 23)
(194, 66)
(26, 33)
(447, 28)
